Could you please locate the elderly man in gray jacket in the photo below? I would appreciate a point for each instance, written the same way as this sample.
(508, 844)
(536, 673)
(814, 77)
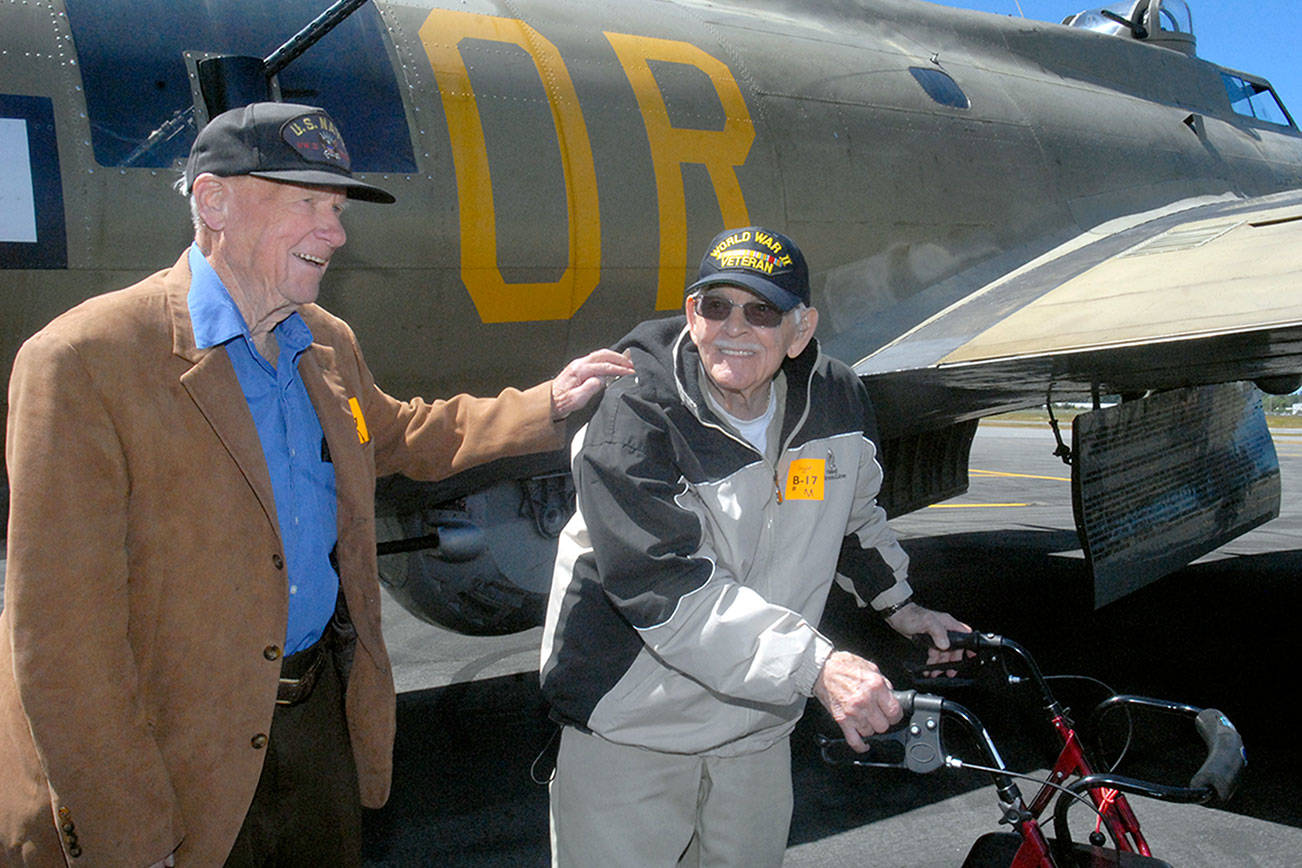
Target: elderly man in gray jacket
(720, 492)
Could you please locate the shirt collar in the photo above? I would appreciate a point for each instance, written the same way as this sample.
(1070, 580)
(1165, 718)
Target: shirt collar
(217, 320)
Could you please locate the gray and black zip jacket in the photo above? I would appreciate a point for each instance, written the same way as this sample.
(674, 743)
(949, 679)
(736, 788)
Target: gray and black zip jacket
(689, 582)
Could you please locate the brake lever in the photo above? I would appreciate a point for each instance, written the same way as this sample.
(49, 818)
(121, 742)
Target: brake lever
(916, 743)
(885, 751)
(966, 672)
(966, 669)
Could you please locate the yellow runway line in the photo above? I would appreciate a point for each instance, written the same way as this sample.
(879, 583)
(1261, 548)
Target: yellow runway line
(1019, 475)
(973, 505)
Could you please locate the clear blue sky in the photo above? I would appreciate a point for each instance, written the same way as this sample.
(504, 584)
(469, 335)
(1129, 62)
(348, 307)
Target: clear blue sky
(1256, 36)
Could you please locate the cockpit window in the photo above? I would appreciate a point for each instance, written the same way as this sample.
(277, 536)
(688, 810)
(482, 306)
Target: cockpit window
(1255, 99)
(137, 81)
(940, 87)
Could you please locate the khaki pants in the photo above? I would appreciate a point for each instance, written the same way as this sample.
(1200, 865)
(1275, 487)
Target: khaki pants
(614, 805)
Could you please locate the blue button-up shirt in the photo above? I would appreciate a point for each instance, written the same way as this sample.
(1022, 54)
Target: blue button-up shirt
(302, 477)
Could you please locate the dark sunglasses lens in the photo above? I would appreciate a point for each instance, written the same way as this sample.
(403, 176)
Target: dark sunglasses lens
(763, 315)
(757, 313)
(713, 307)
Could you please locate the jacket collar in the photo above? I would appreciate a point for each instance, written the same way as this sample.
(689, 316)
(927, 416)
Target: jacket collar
(215, 390)
(176, 283)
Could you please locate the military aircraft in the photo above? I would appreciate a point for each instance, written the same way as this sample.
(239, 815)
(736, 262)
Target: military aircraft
(998, 213)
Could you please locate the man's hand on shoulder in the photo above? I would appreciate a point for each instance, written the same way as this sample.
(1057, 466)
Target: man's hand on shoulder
(858, 697)
(580, 380)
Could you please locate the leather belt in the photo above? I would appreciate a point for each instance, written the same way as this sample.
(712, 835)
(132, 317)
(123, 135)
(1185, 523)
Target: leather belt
(307, 664)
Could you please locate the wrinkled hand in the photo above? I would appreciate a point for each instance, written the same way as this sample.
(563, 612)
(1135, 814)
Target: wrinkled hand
(858, 697)
(583, 378)
(914, 620)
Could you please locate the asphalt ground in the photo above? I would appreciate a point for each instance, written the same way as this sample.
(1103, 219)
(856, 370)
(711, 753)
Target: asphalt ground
(1005, 558)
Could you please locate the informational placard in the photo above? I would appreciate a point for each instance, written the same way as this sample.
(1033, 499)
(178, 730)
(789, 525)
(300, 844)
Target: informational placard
(1161, 481)
(17, 196)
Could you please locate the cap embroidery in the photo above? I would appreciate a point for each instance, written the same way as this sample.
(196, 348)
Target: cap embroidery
(316, 139)
(763, 262)
(755, 260)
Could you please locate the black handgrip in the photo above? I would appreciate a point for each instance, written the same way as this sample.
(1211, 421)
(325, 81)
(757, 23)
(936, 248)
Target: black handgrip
(963, 641)
(953, 673)
(974, 641)
(1225, 755)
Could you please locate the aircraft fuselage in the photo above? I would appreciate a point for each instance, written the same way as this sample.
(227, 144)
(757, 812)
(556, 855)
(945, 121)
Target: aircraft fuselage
(560, 171)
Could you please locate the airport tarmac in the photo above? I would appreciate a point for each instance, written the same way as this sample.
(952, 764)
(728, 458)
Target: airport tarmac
(1004, 557)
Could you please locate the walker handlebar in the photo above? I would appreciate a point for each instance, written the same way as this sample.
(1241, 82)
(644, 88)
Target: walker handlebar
(1226, 758)
(1218, 776)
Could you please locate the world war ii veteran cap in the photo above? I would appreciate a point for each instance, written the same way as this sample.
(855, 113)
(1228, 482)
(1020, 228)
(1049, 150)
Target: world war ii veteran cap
(767, 263)
(281, 141)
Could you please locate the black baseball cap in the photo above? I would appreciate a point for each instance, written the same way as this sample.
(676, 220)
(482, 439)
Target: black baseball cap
(767, 263)
(281, 141)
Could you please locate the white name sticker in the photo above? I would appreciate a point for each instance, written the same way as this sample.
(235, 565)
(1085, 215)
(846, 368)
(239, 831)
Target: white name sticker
(17, 199)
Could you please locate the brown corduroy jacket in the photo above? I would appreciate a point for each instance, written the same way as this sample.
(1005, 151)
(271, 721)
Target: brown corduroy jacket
(145, 592)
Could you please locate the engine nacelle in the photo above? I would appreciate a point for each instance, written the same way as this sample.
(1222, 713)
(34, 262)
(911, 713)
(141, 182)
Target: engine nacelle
(486, 562)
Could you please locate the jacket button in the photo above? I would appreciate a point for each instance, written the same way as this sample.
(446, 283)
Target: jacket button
(74, 851)
(271, 652)
(68, 827)
(259, 741)
(277, 561)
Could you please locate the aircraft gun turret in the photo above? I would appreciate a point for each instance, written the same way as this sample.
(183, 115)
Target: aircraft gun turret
(1167, 23)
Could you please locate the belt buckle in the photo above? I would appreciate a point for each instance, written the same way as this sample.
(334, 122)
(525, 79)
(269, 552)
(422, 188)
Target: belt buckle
(291, 691)
(287, 693)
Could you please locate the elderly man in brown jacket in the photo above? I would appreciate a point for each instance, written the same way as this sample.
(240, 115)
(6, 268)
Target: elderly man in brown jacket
(143, 636)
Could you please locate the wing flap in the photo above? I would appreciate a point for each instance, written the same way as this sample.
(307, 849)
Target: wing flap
(1235, 273)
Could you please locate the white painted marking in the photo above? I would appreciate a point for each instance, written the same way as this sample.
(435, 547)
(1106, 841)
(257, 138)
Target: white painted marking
(17, 199)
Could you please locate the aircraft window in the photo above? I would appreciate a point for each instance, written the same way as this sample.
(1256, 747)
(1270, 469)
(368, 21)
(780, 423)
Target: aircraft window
(1255, 100)
(940, 87)
(136, 78)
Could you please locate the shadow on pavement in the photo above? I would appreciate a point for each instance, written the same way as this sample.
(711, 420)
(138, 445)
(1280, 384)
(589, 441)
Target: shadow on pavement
(1216, 634)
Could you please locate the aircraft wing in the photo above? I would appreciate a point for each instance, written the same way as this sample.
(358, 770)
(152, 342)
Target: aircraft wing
(1200, 293)
(1185, 304)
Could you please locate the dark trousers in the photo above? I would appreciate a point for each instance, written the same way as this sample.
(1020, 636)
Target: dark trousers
(307, 810)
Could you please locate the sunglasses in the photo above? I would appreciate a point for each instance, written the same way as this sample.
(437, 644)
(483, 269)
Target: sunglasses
(760, 314)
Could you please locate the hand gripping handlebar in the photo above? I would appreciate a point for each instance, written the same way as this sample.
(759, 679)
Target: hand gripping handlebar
(912, 744)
